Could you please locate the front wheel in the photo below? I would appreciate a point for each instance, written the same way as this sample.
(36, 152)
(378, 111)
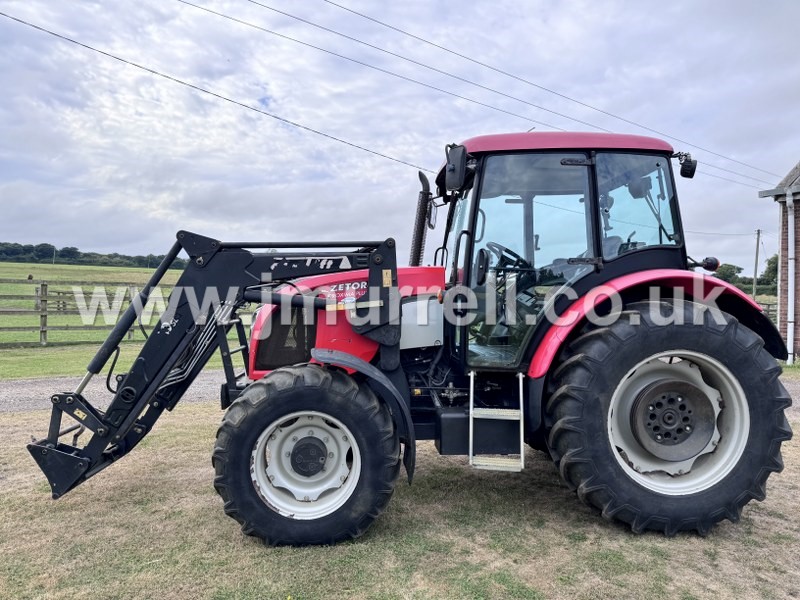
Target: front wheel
(306, 456)
(671, 426)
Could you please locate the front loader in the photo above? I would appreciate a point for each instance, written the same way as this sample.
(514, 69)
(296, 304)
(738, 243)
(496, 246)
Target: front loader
(562, 313)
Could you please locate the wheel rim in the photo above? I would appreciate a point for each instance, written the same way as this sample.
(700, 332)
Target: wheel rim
(305, 465)
(678, 422)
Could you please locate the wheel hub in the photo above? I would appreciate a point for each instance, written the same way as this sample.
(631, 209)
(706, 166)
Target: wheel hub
(673, 420)
(308, 456)
(305, 464)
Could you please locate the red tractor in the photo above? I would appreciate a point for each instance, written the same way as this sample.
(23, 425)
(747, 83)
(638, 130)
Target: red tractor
(562, 312)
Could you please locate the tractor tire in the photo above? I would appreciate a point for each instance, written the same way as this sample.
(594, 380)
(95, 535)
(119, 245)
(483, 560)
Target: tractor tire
(668, 427)
(306, 456)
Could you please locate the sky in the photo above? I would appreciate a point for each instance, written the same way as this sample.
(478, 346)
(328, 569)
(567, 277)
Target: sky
(109, 157)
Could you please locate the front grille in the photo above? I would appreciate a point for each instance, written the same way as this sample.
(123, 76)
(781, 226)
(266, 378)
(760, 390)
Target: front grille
(289, 341)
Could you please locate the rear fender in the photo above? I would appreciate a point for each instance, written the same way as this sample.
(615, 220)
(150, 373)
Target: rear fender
(639, 286)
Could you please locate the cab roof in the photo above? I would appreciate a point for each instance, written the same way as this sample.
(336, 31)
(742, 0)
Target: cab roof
(562, 140)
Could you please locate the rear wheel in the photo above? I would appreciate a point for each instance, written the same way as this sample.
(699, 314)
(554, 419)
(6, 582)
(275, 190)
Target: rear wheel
(306, 456)
(668, 427)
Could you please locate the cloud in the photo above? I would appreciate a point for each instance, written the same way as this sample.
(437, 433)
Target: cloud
(107, 157)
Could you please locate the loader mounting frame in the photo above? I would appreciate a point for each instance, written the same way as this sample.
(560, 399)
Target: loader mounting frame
(192, 329)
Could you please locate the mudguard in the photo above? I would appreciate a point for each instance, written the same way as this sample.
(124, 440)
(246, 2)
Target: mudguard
(388, 393)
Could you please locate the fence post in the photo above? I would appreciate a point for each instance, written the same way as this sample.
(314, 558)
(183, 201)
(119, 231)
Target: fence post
(43, 314)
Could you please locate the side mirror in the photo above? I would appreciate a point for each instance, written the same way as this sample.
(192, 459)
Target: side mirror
(456, 169)
(688, 168)
(688, 165)
(481, 266)
(432, 211)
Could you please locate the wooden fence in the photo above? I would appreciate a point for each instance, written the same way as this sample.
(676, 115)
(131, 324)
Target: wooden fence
(43, 303)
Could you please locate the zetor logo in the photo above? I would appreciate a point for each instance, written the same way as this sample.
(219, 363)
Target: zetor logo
(351, 289)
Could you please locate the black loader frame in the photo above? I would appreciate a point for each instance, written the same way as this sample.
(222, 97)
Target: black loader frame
(186, 337)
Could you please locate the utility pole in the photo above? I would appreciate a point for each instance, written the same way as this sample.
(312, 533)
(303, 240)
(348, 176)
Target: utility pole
(755, 268)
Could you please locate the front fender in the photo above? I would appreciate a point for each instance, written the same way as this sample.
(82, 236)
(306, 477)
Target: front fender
(388, 393)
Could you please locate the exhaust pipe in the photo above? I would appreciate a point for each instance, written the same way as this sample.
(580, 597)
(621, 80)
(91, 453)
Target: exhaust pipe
(418, 235)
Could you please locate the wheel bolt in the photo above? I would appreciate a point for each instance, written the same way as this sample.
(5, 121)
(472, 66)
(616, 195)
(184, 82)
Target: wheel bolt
(330, 455)
(688, 428)
(325, 439)
(294, 438)
(658, 437)
(310, 432)
(288, 454)
(651, 407)
(344, 438)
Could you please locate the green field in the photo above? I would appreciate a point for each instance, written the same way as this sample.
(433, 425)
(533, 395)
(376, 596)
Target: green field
(67, 352)
(60, 279)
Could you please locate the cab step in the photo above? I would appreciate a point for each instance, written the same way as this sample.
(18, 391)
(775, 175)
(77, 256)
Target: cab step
(496, 463)
(505, 414)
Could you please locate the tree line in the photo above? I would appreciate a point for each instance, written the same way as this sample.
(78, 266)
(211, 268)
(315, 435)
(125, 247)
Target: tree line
(767, 284)
(69, 255)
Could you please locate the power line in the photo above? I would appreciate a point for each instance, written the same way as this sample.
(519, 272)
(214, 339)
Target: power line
(246, 106)
(543, 88)
(367, 65)
(723, 233)
(459, 78)
(421, 64)
(731, 171)
(215, 94)
(755, 187)
(409, 79)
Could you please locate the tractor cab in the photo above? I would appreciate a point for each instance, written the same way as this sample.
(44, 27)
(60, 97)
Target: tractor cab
(536, 220)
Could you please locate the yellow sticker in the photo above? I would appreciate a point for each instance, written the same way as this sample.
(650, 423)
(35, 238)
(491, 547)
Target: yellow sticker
(80, 414)
(387, 278)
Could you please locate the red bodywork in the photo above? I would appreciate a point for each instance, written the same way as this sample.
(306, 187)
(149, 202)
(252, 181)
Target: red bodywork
(337, 334)
(693, 285)
(561, 140)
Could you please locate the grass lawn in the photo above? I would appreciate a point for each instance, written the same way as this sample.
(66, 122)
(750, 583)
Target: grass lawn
(152, 526)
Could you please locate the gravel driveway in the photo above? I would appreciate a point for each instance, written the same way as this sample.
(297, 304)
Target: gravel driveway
(33, 394)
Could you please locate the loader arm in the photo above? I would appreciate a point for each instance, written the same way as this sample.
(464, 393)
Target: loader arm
(219, 279)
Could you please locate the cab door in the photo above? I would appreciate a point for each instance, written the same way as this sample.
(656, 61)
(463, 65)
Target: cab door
(532, 235)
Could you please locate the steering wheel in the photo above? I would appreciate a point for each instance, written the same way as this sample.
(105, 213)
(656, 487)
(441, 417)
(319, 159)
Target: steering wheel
(507, 260)
(503, 255)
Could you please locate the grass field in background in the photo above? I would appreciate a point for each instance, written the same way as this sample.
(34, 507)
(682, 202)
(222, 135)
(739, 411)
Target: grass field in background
(53, 274)
(88, 273)
(152, 526)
